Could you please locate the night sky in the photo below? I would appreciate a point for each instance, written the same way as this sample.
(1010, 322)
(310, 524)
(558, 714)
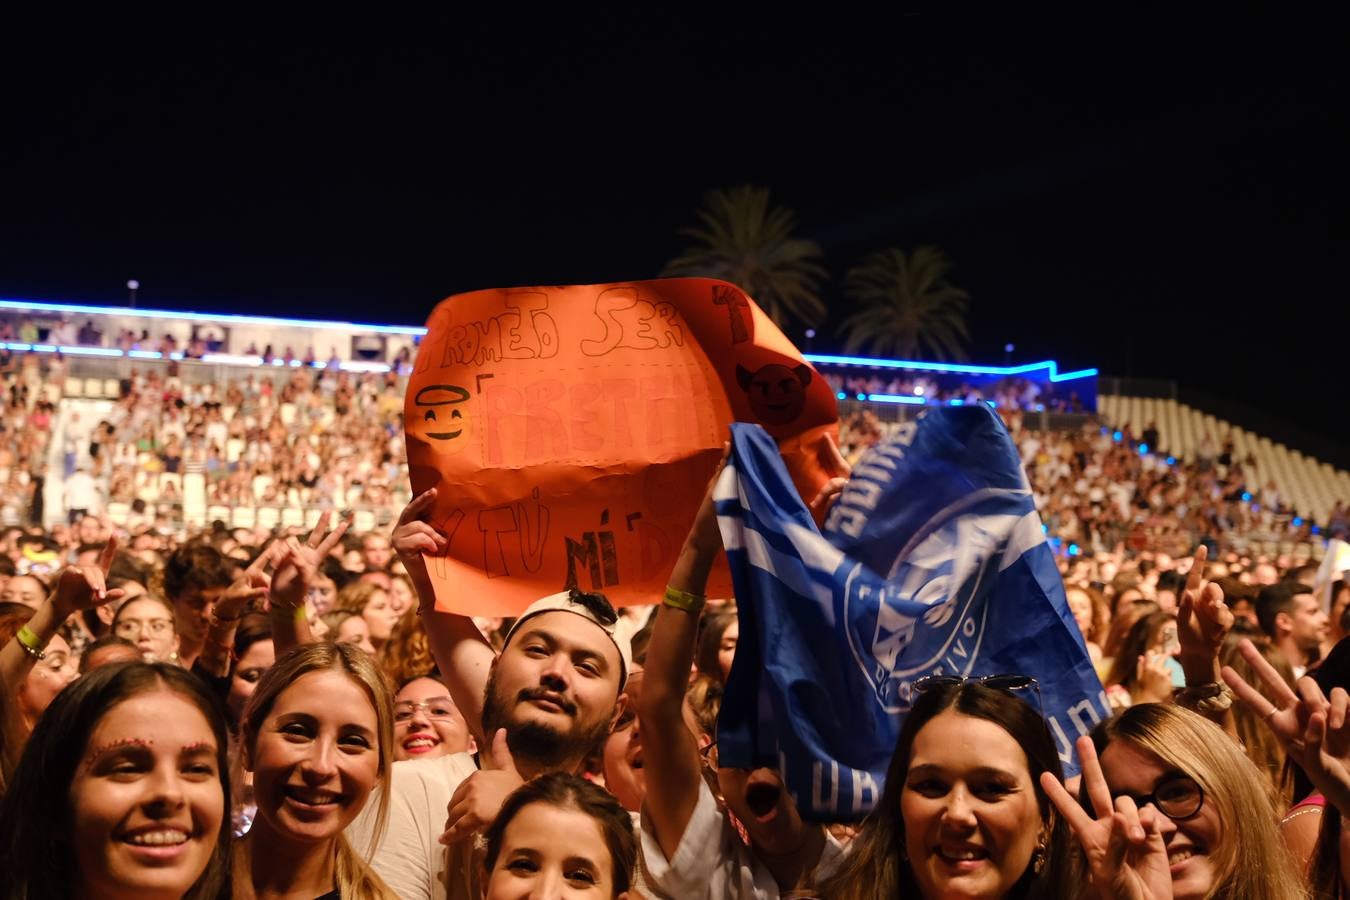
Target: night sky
(1152, 199)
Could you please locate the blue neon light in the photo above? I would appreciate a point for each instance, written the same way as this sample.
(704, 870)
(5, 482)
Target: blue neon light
(1298, 522)
(956, 401)
(223, 318)
(840, 396)
(90, 351)
(1073, 549)
(223, 359)
(862, 396)
(1246, 497)
(1171, 460)
(896, 398)
(1143, 449)
(1049, 366)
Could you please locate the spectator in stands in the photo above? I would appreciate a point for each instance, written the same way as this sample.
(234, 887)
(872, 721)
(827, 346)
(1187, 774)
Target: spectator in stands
(125, 765)
(80, 495)
(1294, 621)
(148, 622)
(195, 576)
(29, 590)
(427, 724)
(372, 604)
(106, 651)
(559, 836)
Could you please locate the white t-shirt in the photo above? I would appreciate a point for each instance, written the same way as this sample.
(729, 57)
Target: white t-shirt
(410, 858)
(711, 860)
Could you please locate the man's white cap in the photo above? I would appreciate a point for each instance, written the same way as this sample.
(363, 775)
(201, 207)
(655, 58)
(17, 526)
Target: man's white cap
(575, 602)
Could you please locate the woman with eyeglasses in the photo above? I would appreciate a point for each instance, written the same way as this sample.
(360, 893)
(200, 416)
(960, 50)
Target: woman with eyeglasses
(962, 813)
(1172, 807)
(148, 622)
(427, 724)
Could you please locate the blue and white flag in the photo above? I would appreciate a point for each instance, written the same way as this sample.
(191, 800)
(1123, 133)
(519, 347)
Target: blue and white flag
(933, 561)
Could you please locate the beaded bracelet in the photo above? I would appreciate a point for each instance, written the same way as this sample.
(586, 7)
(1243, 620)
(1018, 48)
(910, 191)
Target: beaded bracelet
(31, 643)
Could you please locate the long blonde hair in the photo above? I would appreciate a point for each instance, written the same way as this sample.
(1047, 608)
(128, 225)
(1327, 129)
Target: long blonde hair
(1262, 747)
(354, 876)
(1263, 869)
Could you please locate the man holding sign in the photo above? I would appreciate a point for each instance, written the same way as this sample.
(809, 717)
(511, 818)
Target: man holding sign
(541, 705)
(558, 441)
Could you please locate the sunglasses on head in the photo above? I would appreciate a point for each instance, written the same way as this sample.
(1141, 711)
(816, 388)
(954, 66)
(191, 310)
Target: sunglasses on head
(596, 604)
(1012, 684)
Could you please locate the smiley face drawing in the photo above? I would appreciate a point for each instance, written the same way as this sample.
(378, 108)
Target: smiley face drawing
(777, 393)
(437, 408)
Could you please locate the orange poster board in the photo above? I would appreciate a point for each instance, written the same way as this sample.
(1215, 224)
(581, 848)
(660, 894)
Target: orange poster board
(571, 431)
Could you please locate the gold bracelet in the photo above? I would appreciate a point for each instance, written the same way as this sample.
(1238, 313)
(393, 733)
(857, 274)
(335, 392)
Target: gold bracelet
(678, 599)
(31, 643)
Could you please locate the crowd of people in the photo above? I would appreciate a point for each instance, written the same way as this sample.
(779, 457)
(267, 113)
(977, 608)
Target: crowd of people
(297, 439)
(273, 714)
(281, 712)
(1007, 393)
(1101, 491)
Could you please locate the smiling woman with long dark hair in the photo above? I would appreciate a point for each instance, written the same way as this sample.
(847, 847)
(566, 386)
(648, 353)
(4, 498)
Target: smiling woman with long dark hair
(962, 812)
(122, 792)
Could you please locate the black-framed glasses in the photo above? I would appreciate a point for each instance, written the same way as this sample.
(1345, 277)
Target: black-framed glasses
(1176, 796)
(1013, 684)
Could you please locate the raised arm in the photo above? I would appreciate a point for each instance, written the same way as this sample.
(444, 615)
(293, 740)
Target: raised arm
(296, 564)
(77, 588)
(1203, 621)
(670, 752)
(462, 653)
(218, 649)
(1313, 729)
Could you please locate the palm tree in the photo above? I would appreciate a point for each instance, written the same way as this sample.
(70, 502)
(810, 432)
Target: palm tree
(905, 305)
(743, 240)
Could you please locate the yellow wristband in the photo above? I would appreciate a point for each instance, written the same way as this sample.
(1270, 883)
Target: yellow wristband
(301, 617)
(678, 599)
(31, 643)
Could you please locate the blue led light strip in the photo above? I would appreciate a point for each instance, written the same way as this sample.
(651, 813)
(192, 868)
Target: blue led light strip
(220, 359)
(217, 318)
(1050, 367)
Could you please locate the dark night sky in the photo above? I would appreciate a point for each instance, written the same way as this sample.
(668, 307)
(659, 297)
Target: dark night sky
(1140, 196)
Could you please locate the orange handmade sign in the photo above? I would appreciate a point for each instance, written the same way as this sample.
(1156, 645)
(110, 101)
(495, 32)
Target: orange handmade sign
(571, 431)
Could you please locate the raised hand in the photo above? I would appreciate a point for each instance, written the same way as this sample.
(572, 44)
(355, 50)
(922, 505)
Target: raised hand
(297, 562)
(84, 587)
(413, 536)
(1152, 678)
(1126, 855)
(479, 798)
(251, 585)
(833, 461)
(1203, 618)
(1313, 729)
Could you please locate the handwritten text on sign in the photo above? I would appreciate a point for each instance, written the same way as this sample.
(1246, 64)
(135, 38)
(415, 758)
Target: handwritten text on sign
(571, 431)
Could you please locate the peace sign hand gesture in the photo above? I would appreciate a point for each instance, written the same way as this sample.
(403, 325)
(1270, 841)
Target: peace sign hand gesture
(1127, 859)
(296, 563)
(1314, 730)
